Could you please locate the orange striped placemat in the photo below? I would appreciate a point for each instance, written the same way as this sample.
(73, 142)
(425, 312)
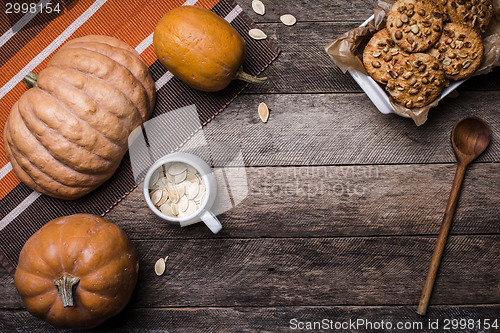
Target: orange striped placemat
(27, 42)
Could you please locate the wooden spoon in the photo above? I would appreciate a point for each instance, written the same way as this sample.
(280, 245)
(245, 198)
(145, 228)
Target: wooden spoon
(470, 137)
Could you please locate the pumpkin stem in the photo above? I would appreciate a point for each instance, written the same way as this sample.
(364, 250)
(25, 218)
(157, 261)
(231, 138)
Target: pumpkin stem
(30, 80)
(241, 75)
(65, 285)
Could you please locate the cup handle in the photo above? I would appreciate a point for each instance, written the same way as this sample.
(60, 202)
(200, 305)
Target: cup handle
(211, 221)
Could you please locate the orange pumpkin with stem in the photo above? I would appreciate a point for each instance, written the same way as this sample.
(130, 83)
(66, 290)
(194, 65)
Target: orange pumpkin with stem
(201, 49)
(77, 271)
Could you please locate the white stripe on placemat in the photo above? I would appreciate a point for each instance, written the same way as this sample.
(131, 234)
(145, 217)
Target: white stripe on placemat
(22, 22)
(233, 14)
(5, 170)
(164, 79)
(168, 76)
(144, 44)
(52, 47)
(19, 209)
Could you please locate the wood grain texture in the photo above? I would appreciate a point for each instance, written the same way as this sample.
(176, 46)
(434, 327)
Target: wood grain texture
(329, 201)
(313, 10)
(261, 319)
(354, 244)
(360, 271)
(304, 67)
(326, 129)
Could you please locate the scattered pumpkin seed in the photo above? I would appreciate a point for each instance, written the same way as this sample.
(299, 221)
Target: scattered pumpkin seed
(257, 34)
(160, 267)
(288, 19)
(263, 112)
(258, 7)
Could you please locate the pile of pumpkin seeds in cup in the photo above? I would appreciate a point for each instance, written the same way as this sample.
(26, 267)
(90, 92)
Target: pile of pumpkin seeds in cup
(177, 189)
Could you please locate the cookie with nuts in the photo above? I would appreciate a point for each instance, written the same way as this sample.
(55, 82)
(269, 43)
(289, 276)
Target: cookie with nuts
(415, 25)
(417, 81)
(442, 6)
(380, 55)
(473, 13)
(460, 51)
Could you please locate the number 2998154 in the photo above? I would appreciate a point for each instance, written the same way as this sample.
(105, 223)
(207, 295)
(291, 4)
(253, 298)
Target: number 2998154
(33, 8)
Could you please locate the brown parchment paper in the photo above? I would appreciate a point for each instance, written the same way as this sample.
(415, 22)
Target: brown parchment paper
(347, 51)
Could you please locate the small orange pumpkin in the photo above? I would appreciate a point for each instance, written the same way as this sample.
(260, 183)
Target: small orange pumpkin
(201, 49)
(77, 271)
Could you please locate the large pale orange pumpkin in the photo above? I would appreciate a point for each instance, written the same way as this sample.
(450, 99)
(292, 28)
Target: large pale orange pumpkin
(77, 271)
(200, 48)
(68, 134)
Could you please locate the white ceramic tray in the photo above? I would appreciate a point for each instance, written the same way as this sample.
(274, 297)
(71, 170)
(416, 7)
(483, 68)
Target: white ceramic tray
(378, 95)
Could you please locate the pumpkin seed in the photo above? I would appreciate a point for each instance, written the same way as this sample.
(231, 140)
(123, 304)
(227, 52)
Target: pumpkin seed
(181, 189)
(258, 7)
(201, 192)
(177, 168)
(164, 197)
(263, 112)
(193, 190)
(181, 192)
(191, 207)
(190, 177)
(180, 177)
(160, 266)
(183, 204)
(288, 19)
(175, 209)
(155, 177)
(167, 210)
(160, 182)
(170, 178)
(257, 34)
(173, 194)
(156, 196)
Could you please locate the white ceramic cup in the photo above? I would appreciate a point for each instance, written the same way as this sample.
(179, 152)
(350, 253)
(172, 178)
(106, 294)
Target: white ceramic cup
(203, 213)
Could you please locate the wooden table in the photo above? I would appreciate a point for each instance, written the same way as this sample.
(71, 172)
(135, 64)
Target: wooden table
(343, 209)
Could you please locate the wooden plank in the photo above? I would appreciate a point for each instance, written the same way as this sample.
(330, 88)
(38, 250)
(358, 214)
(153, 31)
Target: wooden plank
(275, 319)
(313, 10)
(304, 67)
(326, 129)
(329, 201)
(315, 272)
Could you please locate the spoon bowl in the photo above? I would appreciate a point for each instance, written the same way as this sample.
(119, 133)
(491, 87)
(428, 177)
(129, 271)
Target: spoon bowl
(470, 137)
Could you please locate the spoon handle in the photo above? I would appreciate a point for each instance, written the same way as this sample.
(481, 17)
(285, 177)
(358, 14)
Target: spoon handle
(442, 237)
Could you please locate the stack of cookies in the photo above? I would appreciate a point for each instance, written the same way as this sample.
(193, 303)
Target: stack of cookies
(425, 44)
